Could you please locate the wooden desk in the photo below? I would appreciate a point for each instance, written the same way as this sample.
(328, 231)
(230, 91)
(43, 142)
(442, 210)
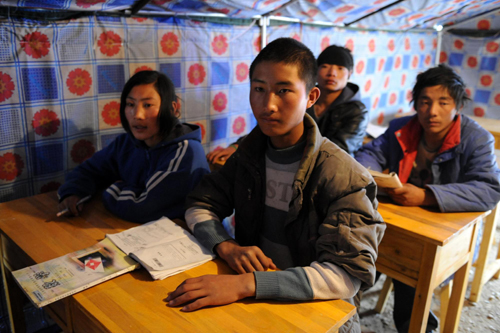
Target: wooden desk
(31, 233)
(423, 247)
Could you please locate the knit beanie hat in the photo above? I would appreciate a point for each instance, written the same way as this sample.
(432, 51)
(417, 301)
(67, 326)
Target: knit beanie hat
(336, 55)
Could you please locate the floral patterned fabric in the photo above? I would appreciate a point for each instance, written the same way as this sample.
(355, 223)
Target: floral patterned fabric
(60, 81)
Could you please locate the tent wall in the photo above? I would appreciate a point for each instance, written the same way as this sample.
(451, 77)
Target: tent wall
(60, 83)
(477, 60)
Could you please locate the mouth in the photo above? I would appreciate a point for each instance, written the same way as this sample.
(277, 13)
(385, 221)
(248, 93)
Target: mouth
(270, 120)
(139, 128)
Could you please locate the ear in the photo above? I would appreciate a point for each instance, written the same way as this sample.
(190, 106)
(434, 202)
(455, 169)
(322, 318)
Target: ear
(176, 108)
(313, 96)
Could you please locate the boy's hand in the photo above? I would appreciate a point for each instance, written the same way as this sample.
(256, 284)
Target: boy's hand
(220, 154)
(244, 259)
(70, 203)
(209, 290)
(411, 195)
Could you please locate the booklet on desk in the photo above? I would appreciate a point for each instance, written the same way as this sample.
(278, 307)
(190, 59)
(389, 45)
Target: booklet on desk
(162, 247)
(55, 279)
(386, 180)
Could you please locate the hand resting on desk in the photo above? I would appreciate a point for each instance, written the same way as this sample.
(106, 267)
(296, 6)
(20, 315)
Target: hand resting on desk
(209, 290)
(71, 203)
(411, 195)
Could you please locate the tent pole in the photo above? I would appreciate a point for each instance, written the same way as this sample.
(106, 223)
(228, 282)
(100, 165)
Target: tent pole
(263, 22)
(438, 48)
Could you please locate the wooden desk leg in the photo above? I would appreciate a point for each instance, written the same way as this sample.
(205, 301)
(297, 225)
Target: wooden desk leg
(13, 297)
(460, 281)
(424, 291)
(484, 271)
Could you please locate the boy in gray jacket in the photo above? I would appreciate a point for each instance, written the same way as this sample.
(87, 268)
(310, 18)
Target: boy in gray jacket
(301, 204)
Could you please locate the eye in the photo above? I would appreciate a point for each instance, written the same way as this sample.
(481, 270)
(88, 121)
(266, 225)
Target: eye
(283, 91)
(129, 104)
(258, 89)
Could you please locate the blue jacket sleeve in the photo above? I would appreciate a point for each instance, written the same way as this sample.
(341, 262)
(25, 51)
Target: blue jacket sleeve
(374, 155)
(96, 172)
(164, 192)
(478, 188)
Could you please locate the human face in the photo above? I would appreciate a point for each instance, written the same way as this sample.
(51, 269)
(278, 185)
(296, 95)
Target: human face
(436, 111)
(141, 110)
(332, 77)
(279, 99)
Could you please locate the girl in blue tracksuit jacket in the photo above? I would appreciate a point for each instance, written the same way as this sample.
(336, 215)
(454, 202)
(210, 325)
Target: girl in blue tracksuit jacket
(148, 171)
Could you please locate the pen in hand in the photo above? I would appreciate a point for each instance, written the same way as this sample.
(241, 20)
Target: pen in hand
(64, 211)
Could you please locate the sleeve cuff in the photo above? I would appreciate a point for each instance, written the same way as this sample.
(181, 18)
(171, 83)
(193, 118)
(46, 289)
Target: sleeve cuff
(210, 233)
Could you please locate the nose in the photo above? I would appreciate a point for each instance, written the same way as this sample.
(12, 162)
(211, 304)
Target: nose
(139, 112)
(332, 71)
(433, 109)
(269, 102)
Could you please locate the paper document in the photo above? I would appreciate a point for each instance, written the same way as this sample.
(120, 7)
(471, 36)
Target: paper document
(162, 247)
(55, 279)
(386, 180)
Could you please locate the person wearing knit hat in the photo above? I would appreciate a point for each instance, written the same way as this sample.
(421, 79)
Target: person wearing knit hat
(339, 112)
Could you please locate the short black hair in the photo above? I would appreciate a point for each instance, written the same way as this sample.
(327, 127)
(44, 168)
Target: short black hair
(290, 52)
(445, 76)
(166, 90)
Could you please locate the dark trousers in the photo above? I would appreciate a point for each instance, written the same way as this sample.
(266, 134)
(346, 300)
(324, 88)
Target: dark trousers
(403, 305)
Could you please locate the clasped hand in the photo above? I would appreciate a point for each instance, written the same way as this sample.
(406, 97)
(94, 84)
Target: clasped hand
(411, 195)
(210, 290)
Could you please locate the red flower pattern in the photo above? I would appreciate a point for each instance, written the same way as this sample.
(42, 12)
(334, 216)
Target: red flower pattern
(472, 62)
(392, 98)
(483, 25)
(6, 86)
(443, 56)
(241, 72)
(479, 112)
(422, 44)
(368, 85)
(88, 3)
(296, 37)
(344, 9)
(403, 79)
(486, 80)
(380, 118)
(82, 150)
(169, 43)
(407, 44)
(111, 113)
(397, 62)
(140, 19)
(196, 74)
(492, 47)
(386, 82)
(396, 12)
(219, 44)
(325, 42)
(11, 166)
(50, 186)
(381, 64)
(371, 45)
(360, 66)
(391, 45)
(45, 122)
(220, 101)
(239, 125)
(142, 68)
(36, 44)
(109, 43)
(458, 44)
(497, 99)
(350, 45)
(79, 81)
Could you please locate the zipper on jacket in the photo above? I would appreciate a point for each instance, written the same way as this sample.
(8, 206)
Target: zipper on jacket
(249, 194)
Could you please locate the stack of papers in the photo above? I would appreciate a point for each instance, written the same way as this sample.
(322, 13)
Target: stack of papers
(162, 247)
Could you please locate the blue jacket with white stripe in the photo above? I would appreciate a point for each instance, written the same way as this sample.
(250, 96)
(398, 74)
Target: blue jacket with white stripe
(142, 184)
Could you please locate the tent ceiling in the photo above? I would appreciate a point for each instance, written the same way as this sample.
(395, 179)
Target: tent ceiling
(377, 14)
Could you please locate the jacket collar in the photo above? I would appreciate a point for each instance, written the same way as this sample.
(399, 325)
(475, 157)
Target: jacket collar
(254, 146)
(408, 134)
